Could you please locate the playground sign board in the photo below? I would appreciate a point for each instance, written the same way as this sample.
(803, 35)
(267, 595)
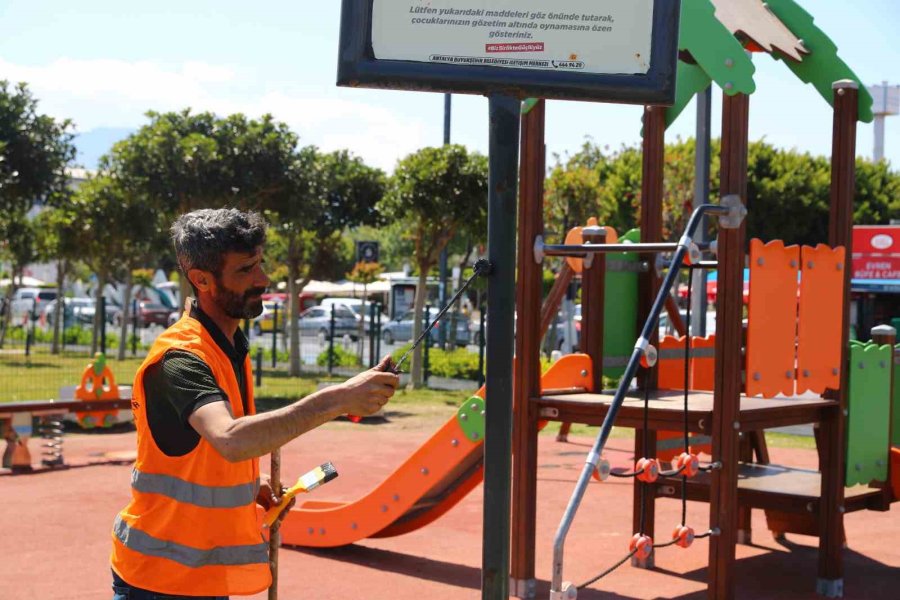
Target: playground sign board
(602, 50)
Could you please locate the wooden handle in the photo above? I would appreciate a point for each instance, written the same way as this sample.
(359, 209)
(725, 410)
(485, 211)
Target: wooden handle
(274, 535)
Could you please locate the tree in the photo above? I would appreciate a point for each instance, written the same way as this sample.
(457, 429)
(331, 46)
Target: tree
(326, 194)
(788, 192)
(19, 248)
(34, 151)
(182, 161)
(56, 240)
(435, 192)
(116, 231)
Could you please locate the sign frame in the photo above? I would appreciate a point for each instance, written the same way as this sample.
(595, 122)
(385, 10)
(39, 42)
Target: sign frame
(358, 67)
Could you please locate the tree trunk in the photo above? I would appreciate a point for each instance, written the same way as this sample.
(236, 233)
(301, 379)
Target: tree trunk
(416, 369)
(362, 326)
(7, 306)
(126, 309)
(62, 266)
(451, 338)
(294, 304)
(99, 314)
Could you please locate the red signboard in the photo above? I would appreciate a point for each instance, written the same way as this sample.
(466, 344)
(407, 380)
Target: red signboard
(876, 252)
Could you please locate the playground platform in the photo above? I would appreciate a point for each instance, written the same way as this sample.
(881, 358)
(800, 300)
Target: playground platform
(56, 528)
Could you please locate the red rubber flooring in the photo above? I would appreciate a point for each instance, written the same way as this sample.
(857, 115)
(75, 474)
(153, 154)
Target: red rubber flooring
(56, 524)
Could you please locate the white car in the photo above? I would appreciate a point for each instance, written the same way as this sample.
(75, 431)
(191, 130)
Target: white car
(29, 302)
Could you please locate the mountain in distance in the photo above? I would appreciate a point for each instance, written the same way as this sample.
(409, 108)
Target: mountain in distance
(93, 144)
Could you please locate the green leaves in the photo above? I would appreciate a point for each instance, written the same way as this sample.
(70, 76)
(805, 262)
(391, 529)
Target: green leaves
(182, 161)
(34, 151)
(787, 191)
(437, 192)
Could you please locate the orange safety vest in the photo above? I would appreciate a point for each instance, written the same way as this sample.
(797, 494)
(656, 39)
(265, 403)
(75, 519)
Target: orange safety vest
(191, 526)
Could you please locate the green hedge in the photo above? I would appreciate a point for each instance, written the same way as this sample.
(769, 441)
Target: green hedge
(342, 358)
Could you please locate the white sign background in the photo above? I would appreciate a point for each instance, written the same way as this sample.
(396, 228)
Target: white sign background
(588, 36)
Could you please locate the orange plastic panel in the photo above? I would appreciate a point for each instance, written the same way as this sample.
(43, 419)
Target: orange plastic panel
(821, 312)
(570, 371)
(671, 376)
(703, 363)
(574, 238)
(772, 318)
(671, 363)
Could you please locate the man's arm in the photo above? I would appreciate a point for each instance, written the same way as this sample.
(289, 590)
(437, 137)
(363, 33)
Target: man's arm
(257, 435)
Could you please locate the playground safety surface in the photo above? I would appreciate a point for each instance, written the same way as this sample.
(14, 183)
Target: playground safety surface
(56, 527)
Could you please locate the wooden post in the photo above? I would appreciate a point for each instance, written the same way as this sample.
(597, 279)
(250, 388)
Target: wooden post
(592, 284)
(887, 335)
(723, 501)
(840, 225)
(274, 535)
(527, 382)
(653, 156)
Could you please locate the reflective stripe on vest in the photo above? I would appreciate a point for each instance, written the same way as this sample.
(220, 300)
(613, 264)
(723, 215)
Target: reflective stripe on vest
(193, 493)
(139, 541)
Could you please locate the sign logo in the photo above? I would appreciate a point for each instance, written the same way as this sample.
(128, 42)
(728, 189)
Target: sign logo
(367, 251)
(882, 241)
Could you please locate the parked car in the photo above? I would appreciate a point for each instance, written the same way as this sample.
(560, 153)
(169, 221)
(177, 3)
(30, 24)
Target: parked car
(149, 313)
(317, 321)
(348, 302)
(356, 305)
(401, 328)
(265, 322)
(76, 311)
(29, 302)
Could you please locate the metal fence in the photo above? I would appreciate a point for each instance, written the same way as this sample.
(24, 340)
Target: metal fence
(32, 369)
(332, 344)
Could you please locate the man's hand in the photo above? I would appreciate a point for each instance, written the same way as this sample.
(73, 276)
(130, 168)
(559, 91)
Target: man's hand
(267, 498)
(366, 393)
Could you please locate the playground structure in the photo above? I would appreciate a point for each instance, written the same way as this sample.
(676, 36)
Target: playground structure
(714, 39)
(734, 417)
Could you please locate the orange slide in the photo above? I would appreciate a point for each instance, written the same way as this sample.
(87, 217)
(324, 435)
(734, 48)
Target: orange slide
(428, 484)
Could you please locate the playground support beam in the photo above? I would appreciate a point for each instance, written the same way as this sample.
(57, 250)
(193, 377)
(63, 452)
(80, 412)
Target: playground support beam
(503, 144)
(592, 291)
(528, 340)
(840, 225)
(654, 157)
(723, 501)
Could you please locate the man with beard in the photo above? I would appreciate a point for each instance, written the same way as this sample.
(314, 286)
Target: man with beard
(190, 529)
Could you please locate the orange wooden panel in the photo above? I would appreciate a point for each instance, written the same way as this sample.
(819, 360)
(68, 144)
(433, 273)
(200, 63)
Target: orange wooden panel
(671, 363)
(703, 363)
(821, 311)
(772, 318)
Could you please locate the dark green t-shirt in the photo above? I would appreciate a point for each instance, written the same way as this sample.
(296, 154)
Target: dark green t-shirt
(180, 383)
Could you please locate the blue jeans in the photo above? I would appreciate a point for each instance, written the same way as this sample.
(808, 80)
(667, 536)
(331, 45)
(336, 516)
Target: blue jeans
(124, 591)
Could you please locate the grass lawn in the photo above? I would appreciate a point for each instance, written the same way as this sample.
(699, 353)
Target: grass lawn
(40, 376)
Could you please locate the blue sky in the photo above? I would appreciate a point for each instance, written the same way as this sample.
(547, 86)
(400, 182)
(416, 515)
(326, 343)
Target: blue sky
(103, 64)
